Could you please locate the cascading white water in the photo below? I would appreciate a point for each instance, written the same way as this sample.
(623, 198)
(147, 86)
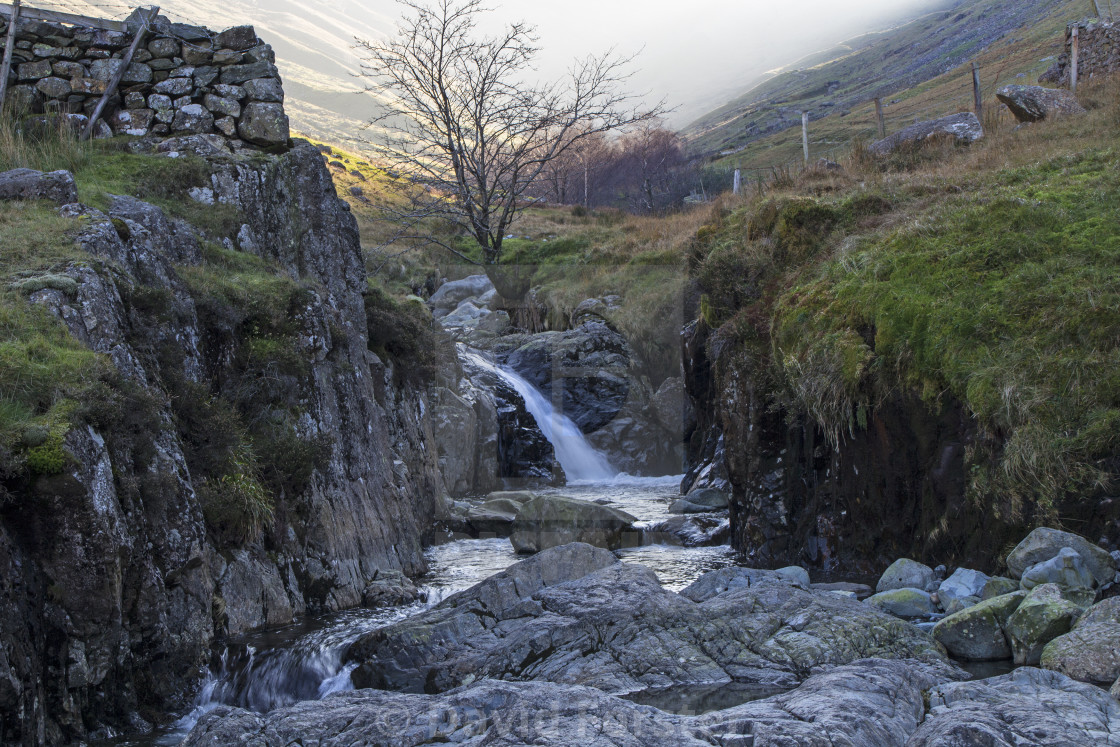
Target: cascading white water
(580, 460)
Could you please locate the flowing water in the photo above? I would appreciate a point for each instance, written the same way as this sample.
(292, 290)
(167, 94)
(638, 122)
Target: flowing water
(278, 667)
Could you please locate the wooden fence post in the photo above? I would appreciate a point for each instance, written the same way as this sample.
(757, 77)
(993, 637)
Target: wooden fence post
(879, 118)
(976, 95)
(736, 182)
(6, 65)
(145, 23)
(805, 135)
(1097, 5)
(1073, 60)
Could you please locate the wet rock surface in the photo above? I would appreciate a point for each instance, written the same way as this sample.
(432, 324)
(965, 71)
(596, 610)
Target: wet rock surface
(617, 629)
(553, 520)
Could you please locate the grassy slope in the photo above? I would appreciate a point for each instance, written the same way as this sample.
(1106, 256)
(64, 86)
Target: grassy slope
(921, 70)
(987, 275)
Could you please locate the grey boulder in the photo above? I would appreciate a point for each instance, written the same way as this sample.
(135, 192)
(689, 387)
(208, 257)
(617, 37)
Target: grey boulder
(907, 574)
(963, 128)
(553, 520)
(1091, 651)
(1043, 616)
(909, 604)
(1035, 103)
(963, 583)
(700, 501)
(1045, 543)
(977, 633)
(1067, 569)
(28, 184)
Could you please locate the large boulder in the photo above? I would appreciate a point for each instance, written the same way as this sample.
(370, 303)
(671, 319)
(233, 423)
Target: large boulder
(1067, 569)
(264, 124)
(997, 586)
(1027, 707)
(28, 184)
(976, 633)
(449, 295)
(1035, 103)
(1091, 651)
(496, 515)
(1044, 543)
(618, 629)
(909, 604)
(552, 520)
(962, 584)
(1043, 616)
(963, 128)
(690, 530)
(907, 574)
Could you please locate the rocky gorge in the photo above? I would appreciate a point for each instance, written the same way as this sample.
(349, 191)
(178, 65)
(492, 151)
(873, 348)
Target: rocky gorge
(250, 495)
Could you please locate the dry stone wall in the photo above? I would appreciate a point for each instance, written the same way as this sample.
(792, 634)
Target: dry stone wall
(1098, 54)
(183, 80)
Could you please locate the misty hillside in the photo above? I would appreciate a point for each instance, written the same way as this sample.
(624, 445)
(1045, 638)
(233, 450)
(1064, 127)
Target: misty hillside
(883, 64)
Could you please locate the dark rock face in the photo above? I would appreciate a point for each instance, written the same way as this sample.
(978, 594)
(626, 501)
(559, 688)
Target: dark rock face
(113, 585)
(612, 626)
(525, 458)
(963, 127)
(1035, 103)
(593, 360)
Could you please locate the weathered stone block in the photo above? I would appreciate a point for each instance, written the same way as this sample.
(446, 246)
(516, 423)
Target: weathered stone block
(192, 119)
(55, 88)
(174, 87)
(238, 38)
(264, 124)
(238, 74)
(219, 105)
(163, 48)
(264, 89)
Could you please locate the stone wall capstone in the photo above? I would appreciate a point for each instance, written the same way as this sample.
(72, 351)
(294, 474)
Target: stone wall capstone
(184, 80)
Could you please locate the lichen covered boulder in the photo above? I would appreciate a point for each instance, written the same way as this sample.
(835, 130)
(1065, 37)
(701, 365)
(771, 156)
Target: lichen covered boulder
(1091, 651)
(907, 574)
(977, 633)
(1043, 616)
(1035, 103)
(1044, 543)
(908, 604)
(264, 124)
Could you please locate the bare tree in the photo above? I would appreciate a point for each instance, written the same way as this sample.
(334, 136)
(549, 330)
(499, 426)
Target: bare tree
(465, 127)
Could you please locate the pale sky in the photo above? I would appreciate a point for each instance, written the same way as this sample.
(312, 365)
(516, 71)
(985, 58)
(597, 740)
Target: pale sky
(697, 54)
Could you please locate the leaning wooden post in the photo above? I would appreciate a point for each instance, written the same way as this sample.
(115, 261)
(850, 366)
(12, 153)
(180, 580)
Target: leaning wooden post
(736, 182)
(1073, 59)
(6, 65)
(145, 22)
(879, 118)
(805, 135)
(1097, 5)
(976, 96)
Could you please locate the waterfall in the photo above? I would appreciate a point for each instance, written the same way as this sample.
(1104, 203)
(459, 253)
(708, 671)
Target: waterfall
(580, 460)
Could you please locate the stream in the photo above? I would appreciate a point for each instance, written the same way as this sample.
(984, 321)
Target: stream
(274, 668)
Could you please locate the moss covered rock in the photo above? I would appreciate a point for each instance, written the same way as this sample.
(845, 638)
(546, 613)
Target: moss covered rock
(977, 633)
(905, 603)
(1091, 651)
(1043, 616)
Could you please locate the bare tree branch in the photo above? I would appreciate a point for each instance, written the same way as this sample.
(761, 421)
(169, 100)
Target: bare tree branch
(467, 132)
